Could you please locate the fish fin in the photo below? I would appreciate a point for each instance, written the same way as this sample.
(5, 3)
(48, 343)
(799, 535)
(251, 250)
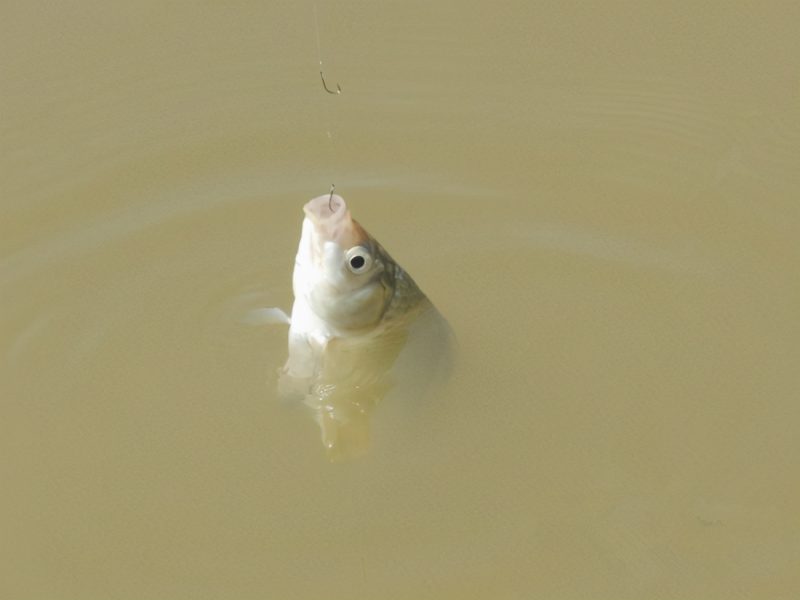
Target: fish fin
(266, 316)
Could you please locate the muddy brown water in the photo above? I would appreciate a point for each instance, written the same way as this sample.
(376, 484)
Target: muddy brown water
(603, 200)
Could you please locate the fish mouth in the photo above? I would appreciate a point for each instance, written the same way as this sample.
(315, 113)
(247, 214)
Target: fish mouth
(332, 222)
(328, 208)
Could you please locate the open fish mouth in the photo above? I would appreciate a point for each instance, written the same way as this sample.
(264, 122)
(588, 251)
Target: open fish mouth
(332, 221)
(325, 208)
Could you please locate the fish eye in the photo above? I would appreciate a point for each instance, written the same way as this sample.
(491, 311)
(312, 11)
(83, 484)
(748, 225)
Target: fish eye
(357, 262)
(358, 259)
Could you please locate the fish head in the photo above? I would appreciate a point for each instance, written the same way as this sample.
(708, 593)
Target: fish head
(340, 271)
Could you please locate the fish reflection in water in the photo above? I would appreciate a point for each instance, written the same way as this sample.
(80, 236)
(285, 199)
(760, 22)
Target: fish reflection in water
(360, 327)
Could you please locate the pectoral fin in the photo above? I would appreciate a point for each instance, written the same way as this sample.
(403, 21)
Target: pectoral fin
(266, 316)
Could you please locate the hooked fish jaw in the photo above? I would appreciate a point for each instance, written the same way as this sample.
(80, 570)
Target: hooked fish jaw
(331, 221)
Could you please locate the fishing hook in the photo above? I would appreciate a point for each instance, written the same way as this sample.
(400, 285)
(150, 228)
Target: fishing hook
(333, 187)
(325, 85)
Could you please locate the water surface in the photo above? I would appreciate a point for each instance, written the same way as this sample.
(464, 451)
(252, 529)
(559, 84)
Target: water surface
(602, 200)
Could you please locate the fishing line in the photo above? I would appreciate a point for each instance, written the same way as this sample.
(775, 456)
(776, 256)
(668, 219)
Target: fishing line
(337, 91)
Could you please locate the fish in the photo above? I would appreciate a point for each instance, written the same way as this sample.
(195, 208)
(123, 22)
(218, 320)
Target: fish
(355, 315)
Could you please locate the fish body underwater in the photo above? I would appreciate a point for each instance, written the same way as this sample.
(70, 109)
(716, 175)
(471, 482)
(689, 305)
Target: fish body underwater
(357, 319)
